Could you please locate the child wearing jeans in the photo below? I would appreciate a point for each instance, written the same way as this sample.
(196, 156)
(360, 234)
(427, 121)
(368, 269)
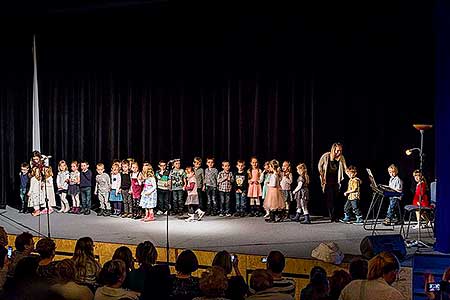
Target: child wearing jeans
(192, 200)
(162, 181)
(114, 195)
(396, 183)
(178, 183)
(353, 195)
(24, 186)
(241, 187)
(210, 187)
(225, 180)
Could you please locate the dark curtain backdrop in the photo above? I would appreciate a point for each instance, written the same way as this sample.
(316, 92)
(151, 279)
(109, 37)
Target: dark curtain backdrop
(275, 86)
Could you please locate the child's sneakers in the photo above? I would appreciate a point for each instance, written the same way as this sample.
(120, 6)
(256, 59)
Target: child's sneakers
(359, 220)
(200, 213)
(36, 213)
(346, 219)
(191, 218)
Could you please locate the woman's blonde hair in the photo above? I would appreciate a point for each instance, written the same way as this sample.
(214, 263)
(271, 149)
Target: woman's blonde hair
(383, 263)
(333, 147)
(213, 282)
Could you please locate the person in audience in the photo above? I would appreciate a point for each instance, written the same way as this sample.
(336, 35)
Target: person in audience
(275, 266)
(444, 293)
(24, 244)
(23, 278)
(46, 248)
(262, 283)
(338, 281)
(213, 284)
(237, 288)
(87, 268)
(113, 275)
(4, 261)
(358, 268)
(153, 279)
(184, 285)
(320, 288)
(321, 274)
(383, 272)
(124, 253)
(63, 282)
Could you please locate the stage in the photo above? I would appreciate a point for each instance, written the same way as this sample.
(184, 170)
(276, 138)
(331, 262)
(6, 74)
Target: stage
(248, 235)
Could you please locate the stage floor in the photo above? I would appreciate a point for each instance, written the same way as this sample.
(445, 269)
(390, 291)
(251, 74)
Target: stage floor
(248, 235)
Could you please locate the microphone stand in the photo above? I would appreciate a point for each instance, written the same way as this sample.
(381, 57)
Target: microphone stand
(169, 168)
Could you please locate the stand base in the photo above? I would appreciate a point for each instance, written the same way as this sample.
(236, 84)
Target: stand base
(416, 243)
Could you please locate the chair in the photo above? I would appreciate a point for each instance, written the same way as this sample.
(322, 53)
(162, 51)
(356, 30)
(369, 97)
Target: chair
(429, 211)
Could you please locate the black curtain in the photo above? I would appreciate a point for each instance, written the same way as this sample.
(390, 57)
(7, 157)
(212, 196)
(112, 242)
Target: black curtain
(272, 85)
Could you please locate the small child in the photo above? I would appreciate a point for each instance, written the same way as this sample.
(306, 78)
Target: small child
(36, 197)
(136, 189)
(49, 191)
(274, 202)
(62, 182)
(301, 195)
(125, 185)
(396, 183)
(225, 180)
(102, 189)
(420, 197)
(285, 184)
(192, 200)
(24, 186)
(114, 195)
(254, 187)
(162, 179)
(264, 181)
(200, 177)
(85, 188)
(241, 187)
(149, 193)
(353, 195)
(178, 183)
(74, 188)
(210, 187)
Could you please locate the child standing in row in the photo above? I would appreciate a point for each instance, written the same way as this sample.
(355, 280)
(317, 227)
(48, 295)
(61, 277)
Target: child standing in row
(264, 181)
(192, 200)
(274, 201)
(149, 193)
(224, 181)
(254, 187)
(285, 183)
(241, 187)
(136, 189)
(85, 188)
(24, 186)
(102, 189)
(49, 191)
(178, 183)
(163, 192)
(74, 187)
(301, 195)
(353, 196)
(62, 184)
(114, 195)
(200, 177)
(125, 185)
(210, 186)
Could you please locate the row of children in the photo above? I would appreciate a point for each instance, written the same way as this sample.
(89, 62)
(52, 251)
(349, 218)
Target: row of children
(128, 189)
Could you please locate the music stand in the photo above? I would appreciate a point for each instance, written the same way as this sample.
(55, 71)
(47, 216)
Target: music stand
(421, 128)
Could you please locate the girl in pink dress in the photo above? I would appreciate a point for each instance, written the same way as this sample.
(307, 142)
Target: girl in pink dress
(254, 187)
(274, 201)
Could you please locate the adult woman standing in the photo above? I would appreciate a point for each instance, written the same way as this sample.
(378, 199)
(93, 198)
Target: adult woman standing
(332, 168)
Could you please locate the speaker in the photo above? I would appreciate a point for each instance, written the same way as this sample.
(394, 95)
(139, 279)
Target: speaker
(371, 245)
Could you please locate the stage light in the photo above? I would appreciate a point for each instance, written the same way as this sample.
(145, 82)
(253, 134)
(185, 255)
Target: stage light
(410, 151)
